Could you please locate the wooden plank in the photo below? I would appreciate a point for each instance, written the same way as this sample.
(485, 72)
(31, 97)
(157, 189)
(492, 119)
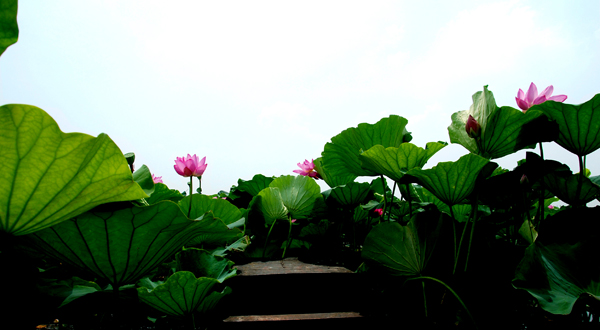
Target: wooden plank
(292, 317)
(287, 266)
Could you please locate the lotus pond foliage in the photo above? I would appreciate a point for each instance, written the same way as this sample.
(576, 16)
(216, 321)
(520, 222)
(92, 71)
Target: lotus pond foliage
(98, 244)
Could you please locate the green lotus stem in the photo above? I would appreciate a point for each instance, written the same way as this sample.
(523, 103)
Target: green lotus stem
(454, 232)
(449, 289)
(541, 151)
(581, 175)
(390, 211)
(267, 240)
(193, 322)
(541, 199)
(384, 193)
(191, 196)
(289, 242)
(409, 200)
(475, 209)
(200, 184)
(462, 236)
(424, 298)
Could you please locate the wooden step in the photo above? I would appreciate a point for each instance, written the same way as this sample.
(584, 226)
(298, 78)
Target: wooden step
(289, 292)
(348, 320)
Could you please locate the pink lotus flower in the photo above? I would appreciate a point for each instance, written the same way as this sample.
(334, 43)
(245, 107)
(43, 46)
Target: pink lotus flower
(551, 206)
(308, 169)
(190, 166)
(379, 211)
(157, 179)
(526, 101)
(472, 127)
(293, 220)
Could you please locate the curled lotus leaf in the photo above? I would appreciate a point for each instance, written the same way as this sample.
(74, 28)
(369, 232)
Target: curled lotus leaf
(504, 130)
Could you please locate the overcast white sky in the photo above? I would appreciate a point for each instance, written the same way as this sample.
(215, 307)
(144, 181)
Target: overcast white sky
(258, 86)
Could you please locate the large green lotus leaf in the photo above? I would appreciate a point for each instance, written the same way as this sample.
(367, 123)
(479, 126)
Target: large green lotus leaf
(573, 189)
(340, 156)
(163, 193)
(143, 177)
(298, 193)
(579, 125)
(47, 176)
(254, 186)
(182, 294)
(123, 245)
(559, 267)
(9, 29)
(403, 250)
(332, 180)
(352, 193)
(270, 204)
(395, 162)
(451, 182)
(201, 204)
(204, 264)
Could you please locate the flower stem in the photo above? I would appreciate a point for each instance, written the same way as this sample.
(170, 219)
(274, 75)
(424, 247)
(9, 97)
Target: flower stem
(289, 242)
(449, 289)
(267, 240)
(191, 195)
(424, 298)
(475, 208)
(454, 232)
(392, 205)
(384, 193)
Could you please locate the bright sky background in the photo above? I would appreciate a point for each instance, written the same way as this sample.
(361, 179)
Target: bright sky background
(258, 86)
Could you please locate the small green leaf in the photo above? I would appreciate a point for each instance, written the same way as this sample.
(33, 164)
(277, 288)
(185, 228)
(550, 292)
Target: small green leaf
(9, 29)
(298, 194)
(572, 189)
(395, 162)
(143, 177)
(403, 250)
(451, 182)
(182, 294)
(204, 264)
(332, 180)
(47, 176)
(220, 208)
(352, 193)
(254, 186)
(163, 193)
(270, 204)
